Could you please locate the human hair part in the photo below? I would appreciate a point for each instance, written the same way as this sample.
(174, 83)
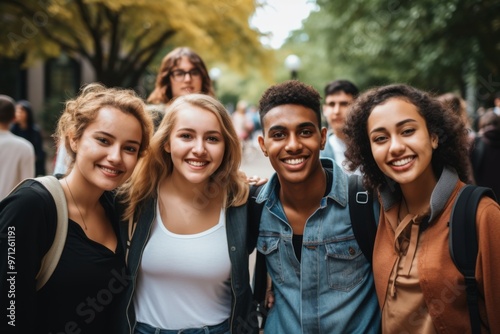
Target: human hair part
(7, 109)
(290, 92)
(489, 119)
(345, 86)
(157, 164)
(452, 135)
(162, 92)
(84, 109)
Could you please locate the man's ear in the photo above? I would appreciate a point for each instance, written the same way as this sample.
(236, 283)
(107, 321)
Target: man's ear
(323, 137)
(262, 146)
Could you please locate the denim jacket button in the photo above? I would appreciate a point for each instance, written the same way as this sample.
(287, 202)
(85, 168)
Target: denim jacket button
(352, 251)
(264, 247)
(233, 249)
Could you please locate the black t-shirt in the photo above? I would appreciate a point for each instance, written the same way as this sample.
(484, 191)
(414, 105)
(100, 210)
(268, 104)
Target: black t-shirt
(86, 288)
(297, 239)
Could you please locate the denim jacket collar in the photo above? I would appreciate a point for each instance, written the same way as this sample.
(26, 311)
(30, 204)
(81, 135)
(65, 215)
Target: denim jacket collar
(338, 190)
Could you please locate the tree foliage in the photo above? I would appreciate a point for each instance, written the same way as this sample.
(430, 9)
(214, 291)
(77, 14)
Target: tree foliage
(120, 38)
(436, 45)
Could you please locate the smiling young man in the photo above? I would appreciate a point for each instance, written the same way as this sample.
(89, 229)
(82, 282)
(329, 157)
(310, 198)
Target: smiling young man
(322, 282)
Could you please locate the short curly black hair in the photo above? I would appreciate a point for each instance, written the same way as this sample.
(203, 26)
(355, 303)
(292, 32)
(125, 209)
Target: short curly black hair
(452, 134)
(290, 92)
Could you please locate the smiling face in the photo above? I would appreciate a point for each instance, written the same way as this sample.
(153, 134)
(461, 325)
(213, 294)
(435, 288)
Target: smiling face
(190, 83)
(400, 142)
(196, 144)
(292, 141)
(107, 151)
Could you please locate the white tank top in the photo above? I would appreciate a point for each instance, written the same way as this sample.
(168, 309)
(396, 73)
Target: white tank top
(184, 280)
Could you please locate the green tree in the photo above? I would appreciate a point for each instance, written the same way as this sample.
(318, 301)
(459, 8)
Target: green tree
(121, 38)
(436, 45)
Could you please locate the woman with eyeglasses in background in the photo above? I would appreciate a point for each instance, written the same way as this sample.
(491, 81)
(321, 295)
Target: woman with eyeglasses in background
(182, 72)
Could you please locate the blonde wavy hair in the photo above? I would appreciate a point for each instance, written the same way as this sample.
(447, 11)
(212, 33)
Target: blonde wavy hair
(83, 110)
(157, 164)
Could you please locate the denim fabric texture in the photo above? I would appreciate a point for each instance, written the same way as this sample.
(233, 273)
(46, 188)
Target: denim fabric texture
(222, 328)
(331, 290)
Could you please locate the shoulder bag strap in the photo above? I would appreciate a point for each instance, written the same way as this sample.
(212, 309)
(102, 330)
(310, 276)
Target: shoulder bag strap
(51, 258)
(463, 244)
(363, 222)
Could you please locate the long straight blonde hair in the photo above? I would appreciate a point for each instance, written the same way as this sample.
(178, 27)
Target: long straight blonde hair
(157, 163)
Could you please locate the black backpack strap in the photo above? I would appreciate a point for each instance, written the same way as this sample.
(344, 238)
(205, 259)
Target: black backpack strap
(463, 244)
(260, 272)
(362, 217)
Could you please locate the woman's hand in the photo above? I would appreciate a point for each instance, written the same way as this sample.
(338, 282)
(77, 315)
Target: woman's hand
(253, 180)
(269, 299)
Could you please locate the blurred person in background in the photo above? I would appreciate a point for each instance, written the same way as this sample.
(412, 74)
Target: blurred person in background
(458, 105)
(496, 102)
(339, 95)
(18, 154)
(485, 153)
(24, 126)
(242, 123)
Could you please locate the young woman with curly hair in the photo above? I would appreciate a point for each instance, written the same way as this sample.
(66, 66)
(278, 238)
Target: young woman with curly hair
(413, 152)
(105, 131)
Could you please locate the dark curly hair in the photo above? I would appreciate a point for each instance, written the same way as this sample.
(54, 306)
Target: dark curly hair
(453, 143)
(290, 92)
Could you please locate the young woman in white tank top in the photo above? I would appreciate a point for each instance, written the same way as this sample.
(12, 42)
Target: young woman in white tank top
(183, 279)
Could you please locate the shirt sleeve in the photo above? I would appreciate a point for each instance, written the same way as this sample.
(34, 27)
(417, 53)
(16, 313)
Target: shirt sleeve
(27, 228)
(488, 266)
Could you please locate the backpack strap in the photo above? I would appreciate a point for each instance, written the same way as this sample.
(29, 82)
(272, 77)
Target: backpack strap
(463, 243)
(51, 258)
(260, 272)
(362, 216)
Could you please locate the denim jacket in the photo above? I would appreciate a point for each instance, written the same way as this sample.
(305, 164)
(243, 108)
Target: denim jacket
(331, 289)
(242, 319)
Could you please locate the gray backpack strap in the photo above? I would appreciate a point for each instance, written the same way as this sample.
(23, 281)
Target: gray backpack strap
(51, 258)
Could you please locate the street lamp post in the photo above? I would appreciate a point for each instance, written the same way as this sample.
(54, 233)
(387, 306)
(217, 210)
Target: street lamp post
(292, 63)
(214, 74)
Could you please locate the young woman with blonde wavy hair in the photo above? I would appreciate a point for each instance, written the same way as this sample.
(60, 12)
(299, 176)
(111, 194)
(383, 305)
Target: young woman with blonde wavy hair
(188, 256)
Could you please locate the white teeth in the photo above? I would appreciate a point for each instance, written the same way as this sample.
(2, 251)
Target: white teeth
(294, 161)
(197, 163)
(402, 162)
(112, 171)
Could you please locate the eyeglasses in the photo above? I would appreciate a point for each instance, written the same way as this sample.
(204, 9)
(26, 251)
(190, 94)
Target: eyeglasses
(180, 75)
